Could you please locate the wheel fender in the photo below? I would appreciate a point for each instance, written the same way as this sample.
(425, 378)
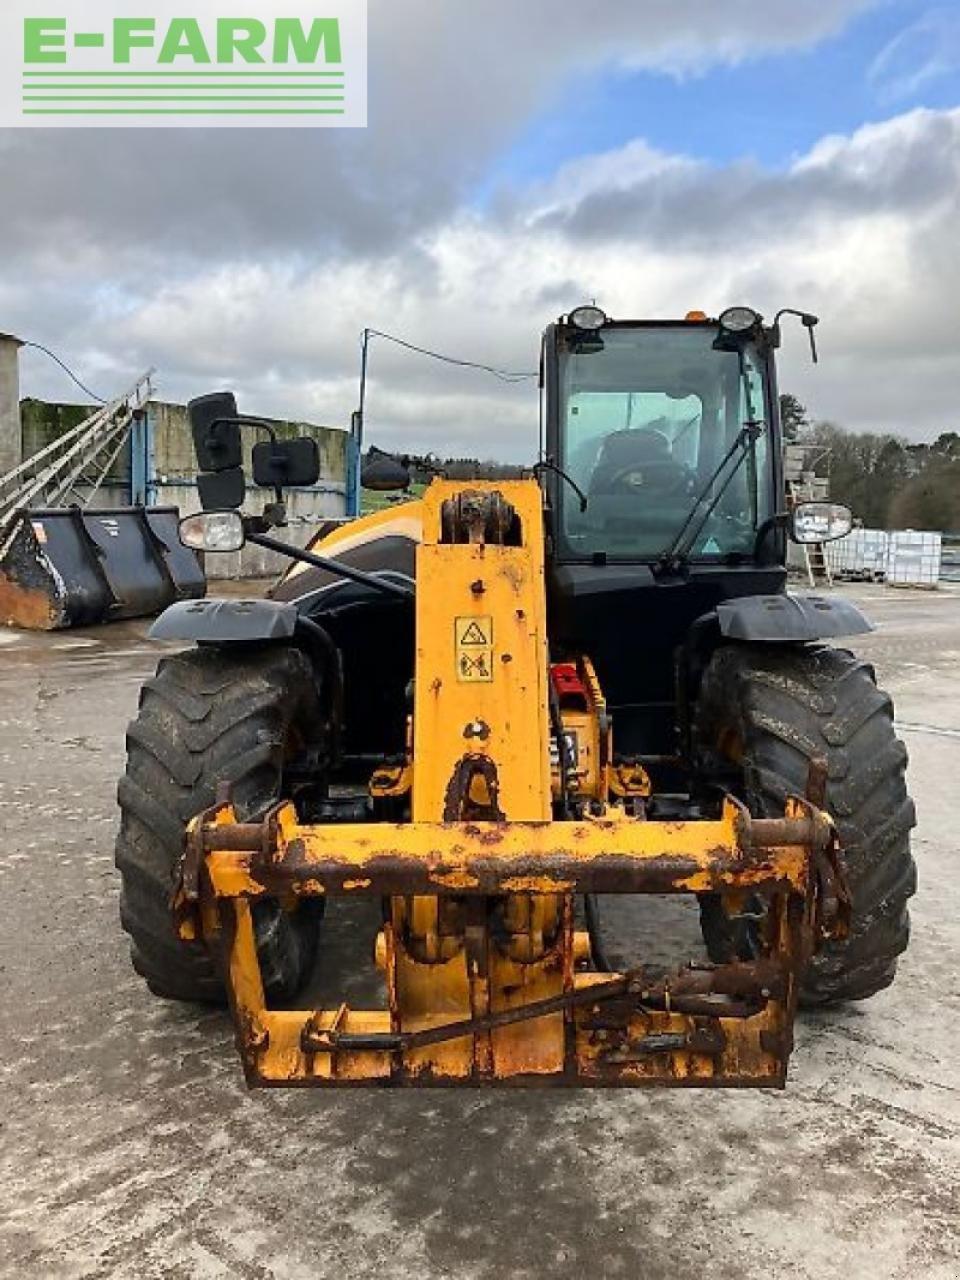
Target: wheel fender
(788, 618)
(226, 621)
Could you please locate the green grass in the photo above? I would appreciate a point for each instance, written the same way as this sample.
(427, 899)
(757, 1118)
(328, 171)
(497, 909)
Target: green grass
(373, 502)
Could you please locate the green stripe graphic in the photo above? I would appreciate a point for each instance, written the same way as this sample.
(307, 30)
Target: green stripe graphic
(185, 111)
(202, 91)
(187, 97)
(265, 74)
(256, 89)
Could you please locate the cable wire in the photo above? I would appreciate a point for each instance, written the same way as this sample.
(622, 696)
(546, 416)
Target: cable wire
(505, 375)
(38, 346)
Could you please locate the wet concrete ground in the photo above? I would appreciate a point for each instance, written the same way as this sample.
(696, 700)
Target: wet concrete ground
(130, 1147)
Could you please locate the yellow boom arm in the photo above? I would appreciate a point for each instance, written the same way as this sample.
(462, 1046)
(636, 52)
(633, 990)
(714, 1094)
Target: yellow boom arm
(487, 976)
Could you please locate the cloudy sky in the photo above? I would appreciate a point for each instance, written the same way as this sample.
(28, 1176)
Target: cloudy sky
(520, 158)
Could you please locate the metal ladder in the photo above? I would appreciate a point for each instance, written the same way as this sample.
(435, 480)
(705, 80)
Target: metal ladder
(814, 553)
(818, 566)
(82, 456)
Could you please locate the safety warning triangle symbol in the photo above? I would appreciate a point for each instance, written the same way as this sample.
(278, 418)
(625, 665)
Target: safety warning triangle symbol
(475, 634)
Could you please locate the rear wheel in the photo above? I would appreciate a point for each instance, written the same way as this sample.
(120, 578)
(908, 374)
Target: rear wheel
(770, 712)
(211, 716)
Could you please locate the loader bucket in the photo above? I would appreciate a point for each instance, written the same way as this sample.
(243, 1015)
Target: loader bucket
(68, 567)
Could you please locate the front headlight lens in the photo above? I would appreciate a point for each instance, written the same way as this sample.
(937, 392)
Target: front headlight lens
(213, 531)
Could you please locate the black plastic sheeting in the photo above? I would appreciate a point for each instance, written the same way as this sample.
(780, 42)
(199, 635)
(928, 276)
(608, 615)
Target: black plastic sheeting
(69, 567)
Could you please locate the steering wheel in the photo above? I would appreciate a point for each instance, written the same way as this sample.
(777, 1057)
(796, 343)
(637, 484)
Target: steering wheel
(665, 476)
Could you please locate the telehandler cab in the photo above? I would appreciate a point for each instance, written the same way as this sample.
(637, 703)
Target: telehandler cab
(486, 707)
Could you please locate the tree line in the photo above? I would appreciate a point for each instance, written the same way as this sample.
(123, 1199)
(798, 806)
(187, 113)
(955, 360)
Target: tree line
(886, 480)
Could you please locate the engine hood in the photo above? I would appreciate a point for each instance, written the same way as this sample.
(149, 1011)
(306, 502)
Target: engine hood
(385, 540)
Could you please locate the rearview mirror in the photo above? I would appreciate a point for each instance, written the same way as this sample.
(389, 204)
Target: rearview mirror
(216, 431)
(820, 522)
(221, 489)
(213, 531)
(282, 463)
(382, 473)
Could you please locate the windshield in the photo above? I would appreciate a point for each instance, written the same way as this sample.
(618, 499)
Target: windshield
(644, 424)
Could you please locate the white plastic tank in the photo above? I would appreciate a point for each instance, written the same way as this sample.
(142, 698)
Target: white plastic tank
(913, 558)
(860, 556)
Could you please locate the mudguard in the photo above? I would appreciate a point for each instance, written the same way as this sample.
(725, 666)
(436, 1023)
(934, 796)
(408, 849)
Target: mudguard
(791, 619)
(226, 621)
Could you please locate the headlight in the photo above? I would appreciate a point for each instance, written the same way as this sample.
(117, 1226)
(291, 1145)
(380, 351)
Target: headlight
(588, 318)
(739, 319)
(213, 531)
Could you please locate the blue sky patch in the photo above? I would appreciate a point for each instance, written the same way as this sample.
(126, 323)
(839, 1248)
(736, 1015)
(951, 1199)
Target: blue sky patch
(771, 108)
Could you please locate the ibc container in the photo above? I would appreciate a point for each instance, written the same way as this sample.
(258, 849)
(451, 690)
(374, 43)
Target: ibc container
(913, 558)
(861, 555)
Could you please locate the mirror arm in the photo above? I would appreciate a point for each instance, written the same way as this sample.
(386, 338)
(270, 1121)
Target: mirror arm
(331, 566)
(780, 520)
(548, 464)
(244, 420)
(813, 341)
(808, 321)
(273, 516)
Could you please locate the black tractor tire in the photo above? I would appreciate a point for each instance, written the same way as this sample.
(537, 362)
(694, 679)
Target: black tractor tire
(209, 716)
(771, 712)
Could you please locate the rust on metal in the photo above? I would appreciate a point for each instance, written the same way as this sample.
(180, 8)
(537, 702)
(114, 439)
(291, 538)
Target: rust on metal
(473, 772)
(478, 857)
(482, 962)
(22, 606)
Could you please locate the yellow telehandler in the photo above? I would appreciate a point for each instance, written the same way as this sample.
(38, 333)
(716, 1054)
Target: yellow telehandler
(488, 708)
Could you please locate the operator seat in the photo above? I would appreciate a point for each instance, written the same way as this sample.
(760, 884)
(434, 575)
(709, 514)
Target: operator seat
(633, 458)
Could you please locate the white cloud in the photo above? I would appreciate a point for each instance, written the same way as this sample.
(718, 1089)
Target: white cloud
(254, 263)
(846, 232)
(451, 82)
(921, 54)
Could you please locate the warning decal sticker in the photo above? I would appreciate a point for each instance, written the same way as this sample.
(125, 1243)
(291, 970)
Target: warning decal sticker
(474, 650)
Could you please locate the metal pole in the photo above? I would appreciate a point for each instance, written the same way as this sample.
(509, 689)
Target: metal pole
(355, 444)
(364, 359)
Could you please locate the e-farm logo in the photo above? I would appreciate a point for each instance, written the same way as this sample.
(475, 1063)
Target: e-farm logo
(108, 63)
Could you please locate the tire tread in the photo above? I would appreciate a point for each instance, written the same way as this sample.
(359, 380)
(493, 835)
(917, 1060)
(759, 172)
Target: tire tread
(206, 716)
(787, 707)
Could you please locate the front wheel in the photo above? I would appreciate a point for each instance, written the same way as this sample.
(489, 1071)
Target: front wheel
(209, 716)
(770, 712)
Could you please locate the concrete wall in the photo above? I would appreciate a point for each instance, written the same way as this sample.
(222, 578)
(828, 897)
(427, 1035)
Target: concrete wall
(10, 438)
(158, 465)
(42, 422)
(174, 467)
(173, 457)
(307, 510)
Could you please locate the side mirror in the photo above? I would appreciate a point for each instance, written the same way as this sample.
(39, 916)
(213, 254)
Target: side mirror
(216, 431)
(278, 464)
(221, 489)
(213, 531)
(820, 522)
(382, 473)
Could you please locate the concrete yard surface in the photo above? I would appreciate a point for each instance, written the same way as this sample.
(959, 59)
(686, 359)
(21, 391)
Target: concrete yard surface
(131, 1148)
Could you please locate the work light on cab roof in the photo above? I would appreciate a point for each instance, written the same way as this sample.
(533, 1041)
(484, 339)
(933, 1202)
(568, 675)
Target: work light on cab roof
(588, 318)
(739, 319)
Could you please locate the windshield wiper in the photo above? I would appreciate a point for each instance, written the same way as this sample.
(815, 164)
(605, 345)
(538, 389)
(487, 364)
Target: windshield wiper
(745, 441)
(548, 464)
